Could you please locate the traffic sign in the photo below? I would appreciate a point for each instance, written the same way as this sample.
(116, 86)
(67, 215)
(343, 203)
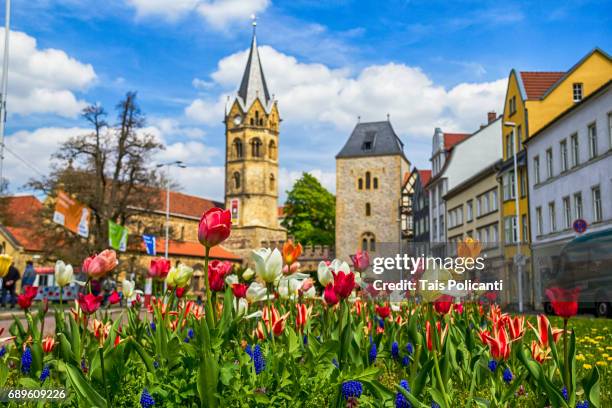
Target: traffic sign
(580, 226)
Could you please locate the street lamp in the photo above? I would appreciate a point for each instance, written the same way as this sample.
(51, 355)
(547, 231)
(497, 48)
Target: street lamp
(180, 164)
(518, 259)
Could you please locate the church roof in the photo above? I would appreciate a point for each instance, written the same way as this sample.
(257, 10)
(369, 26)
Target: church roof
(253, 84)
(372, 139)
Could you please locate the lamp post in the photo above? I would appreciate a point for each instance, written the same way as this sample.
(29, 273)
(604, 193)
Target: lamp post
(3, 88)
(518, 258)
(180, 164)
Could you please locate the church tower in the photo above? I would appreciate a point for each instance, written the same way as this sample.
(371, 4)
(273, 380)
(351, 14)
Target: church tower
(251, 162)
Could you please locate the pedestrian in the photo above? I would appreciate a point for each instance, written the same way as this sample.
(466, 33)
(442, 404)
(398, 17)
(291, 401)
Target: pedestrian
(29, 275)
(9, 282)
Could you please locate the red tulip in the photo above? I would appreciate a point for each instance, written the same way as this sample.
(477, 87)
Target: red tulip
(361, 260)
(491, 296)
(542, 331)
(516, 326)
(180, 292)
(459, 308)
(564, 302)
(48, 344)
(216, 274)
(383, 311)
(89, 303)
(259, 332)
(215, 226)
(344, 283)
(428, 336)
(159, 268)
(114, 298)
(240, 289)
(25, 300)
(301, 318)
(99, 265)
(443, 304)
(499, 344)
(330, 296)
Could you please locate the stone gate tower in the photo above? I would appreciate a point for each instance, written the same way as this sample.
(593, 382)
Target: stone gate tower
(251, 162)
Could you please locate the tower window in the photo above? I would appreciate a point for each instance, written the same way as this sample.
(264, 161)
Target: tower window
(368, 242)
(368, 210)
(237, 148)
(360, 183)
(256, 147)
(368, 141)
(368, 180)
(236, 180)
(257, 121)
(272, 180)
(375, 183)
(272, 150)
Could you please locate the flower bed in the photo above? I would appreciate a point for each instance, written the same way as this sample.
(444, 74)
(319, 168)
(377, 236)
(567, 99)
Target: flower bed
(269, 338)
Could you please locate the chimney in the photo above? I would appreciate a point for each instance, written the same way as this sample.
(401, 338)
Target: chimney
(491, 116)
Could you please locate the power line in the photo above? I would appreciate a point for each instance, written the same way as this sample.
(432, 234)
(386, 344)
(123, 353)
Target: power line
(24, 161)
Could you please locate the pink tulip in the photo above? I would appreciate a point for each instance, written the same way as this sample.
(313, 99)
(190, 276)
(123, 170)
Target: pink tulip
(361, 261)
(215, 226)
(159, 268)
(99, 265)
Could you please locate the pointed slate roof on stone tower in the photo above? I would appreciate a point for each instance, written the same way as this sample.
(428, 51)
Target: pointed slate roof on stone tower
(372, 139)
(253, 83)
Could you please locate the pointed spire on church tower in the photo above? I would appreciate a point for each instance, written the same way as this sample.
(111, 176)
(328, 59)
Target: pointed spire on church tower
(253, 84)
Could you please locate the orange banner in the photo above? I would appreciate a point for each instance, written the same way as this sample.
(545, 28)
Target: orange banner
(72, 214)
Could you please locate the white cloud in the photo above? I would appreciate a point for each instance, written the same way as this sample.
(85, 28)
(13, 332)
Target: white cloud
(217, 13)
(314, 93)
(44, 80)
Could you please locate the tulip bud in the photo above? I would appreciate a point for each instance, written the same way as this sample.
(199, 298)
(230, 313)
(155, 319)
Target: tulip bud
(63, 274)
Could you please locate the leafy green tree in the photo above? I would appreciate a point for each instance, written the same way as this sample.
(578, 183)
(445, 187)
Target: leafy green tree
(310, 212)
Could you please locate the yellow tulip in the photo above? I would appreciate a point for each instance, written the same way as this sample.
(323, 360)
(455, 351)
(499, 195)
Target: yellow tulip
(5, 263)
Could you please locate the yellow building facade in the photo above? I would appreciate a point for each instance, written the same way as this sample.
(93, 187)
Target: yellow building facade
(532, 100)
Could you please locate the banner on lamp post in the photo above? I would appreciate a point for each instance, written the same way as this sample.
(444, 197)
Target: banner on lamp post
(149, 242)
(117, 236)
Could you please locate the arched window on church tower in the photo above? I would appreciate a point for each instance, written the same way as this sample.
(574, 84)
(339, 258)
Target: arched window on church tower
(272, 150)
(256, 147)
(360, 183)
(375, 183)
(257, 120)
(368, 180)
(272, 181)
(368, 209)
(237, 148)
(368, 242)
(236, 180)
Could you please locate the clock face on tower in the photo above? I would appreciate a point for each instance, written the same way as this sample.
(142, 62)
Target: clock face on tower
(237, 120)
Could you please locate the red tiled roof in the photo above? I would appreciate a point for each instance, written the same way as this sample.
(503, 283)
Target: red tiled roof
(21, 210)
(537, 83)
(183, 204)
(27, 238)
(280, 211)
(451, 139)
(425, 176)
(189, 248)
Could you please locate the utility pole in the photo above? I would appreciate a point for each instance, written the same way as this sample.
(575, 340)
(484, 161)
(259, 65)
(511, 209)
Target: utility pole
(180, 164)
(3, 88)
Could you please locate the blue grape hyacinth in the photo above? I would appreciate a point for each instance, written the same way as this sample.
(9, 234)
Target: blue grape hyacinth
(492, 365)
(146, 400)
(26, 360)
(564, 392)
(400, 399)
(373, 353)
(583, 404)
(405, 361)
(409, 348)
(507, 376)
(45, 373)
(434, 405)
(258, 359)
(395, 350)
(2, 351)
(190, 333)
(351, 389)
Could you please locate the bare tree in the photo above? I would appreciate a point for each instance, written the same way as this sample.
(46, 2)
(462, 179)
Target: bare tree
(109, 170)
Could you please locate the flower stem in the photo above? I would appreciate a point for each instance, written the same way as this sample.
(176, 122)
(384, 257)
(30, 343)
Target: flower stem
(101, 350)
(210, 317)
(566, 372)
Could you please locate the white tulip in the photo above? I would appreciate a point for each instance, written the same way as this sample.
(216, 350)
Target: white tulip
(231, 279)
(310, 293)
(256, 292)
(340, 266)
(324, 274)
(268, 264)
(241, 306)
(248, 274)
(179, 276)
(63, 273)
(129, 292)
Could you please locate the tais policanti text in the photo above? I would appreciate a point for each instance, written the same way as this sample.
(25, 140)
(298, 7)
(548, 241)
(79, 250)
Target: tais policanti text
(437, 285)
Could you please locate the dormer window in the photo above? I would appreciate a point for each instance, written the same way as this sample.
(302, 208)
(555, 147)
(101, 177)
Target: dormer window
(368, 141)
(577, 92)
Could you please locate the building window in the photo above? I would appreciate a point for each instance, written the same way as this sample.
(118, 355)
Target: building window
(256, 147)
(375, 183)
(236, 180)
(478, 207)
(525, 227)
(368, 180)
(367, 210)
(597, 210)
(578, 205)
(575, 150)
(494, 202)
(567, 213)
(563, 153)
(510, 230)
(468, 210)
(552, 218)
(577, 92)
(519, 136)
(441, 223)
(495, 234)
(237, 148)
(368, 242)
(360, 183)
(272, 182)
(549, 163)
(508, 184)
(510, 144)
(272, 150)
(539, 221)
(523, 179)
(512, 105)
(536, 169)
(592, 141)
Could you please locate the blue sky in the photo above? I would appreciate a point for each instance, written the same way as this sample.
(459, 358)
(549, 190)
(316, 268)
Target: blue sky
(427, 63)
